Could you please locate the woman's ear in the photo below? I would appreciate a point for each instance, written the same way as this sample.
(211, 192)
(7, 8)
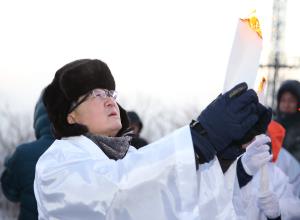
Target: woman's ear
(71, 118)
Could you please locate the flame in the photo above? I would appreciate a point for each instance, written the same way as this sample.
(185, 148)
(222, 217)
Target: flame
(262, 84)
(253, 23)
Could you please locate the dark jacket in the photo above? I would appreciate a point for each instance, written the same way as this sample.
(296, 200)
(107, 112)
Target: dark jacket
(291, 122)
(18, 176)
(136, 140)
(292, 138)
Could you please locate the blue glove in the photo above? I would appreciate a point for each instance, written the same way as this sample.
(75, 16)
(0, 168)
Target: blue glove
(231, 152)
(226, 119)
(234, 149)
(265, 116)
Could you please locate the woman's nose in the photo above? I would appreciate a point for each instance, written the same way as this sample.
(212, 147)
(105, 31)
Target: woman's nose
(110, 101)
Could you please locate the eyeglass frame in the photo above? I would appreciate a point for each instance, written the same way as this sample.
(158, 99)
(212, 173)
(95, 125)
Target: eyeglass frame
(107, 93)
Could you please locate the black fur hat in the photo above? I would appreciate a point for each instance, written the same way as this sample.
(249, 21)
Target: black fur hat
(70, 82)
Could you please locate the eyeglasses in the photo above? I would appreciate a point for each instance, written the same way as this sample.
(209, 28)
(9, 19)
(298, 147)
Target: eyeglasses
(96, 93)
(104, 93)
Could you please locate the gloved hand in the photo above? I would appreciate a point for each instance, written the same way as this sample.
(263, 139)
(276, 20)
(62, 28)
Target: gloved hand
(265, 116)
(269, 205)
(227, 118)
(231, 152)
(257, 154)
(235, 148)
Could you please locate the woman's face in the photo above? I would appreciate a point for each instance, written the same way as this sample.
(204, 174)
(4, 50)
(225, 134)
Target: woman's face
(99, 113)
(288, 103)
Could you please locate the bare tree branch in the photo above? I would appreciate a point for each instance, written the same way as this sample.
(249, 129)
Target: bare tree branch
(15, 128)
(160, 118)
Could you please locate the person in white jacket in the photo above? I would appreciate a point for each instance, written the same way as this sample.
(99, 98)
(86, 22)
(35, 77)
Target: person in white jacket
(92, 172)
(291, 167)
(254, 198)
(282, 158)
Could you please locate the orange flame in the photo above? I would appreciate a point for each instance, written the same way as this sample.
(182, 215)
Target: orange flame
(253, 23)
(262, 85)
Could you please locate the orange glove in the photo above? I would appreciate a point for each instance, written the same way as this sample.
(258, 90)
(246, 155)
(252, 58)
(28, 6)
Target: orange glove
(277, 133)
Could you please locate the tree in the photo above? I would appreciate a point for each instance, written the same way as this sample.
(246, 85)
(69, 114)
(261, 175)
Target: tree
(160, 118)
(15, 128)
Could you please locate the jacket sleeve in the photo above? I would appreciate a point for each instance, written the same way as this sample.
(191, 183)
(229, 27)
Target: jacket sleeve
(204, 151)
(288, 201)
(9, 179)
(242, 176)
(159, 178)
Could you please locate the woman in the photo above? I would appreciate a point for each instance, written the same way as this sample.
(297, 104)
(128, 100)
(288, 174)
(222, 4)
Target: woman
(92, 172)
(288, 114)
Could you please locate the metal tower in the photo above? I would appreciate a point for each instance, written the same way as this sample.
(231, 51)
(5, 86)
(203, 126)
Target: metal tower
(277, 59)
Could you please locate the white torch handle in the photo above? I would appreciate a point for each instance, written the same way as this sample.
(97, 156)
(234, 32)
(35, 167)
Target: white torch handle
(264, 180)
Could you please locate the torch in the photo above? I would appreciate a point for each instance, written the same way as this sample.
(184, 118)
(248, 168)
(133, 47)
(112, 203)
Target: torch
(243, 65)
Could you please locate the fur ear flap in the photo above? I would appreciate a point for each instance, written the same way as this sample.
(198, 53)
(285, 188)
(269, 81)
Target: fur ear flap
(57, 106)
(54, 100)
